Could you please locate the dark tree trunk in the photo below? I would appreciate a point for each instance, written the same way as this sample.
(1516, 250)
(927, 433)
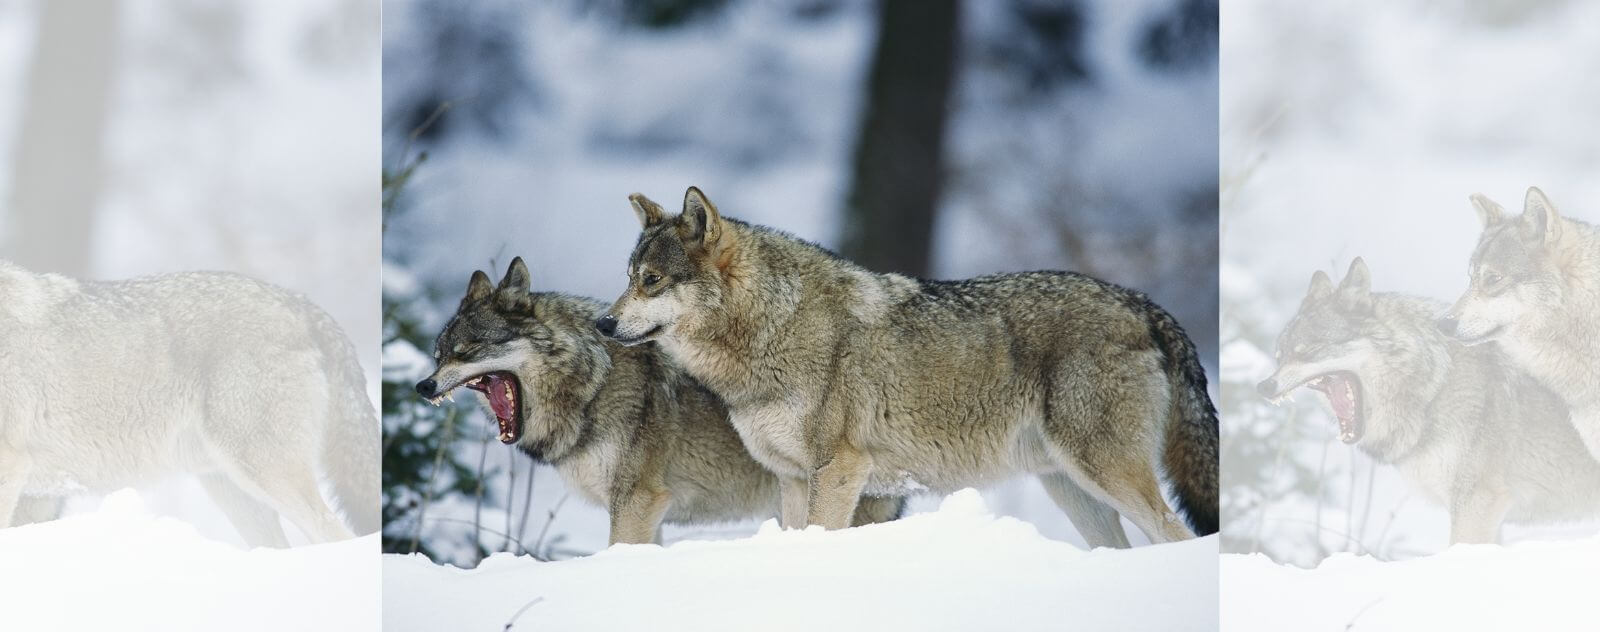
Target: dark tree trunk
(899, 157)
(58, 169)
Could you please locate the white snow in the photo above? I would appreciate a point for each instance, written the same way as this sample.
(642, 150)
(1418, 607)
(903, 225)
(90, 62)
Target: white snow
(122, 567)
(1529, 586)
(959, 568)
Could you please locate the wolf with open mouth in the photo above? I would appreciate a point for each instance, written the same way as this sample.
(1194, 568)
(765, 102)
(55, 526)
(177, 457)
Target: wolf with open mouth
(1466, 428)
(624, 428)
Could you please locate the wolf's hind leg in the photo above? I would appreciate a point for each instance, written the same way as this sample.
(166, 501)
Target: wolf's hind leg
(1097, 522)
(32, 509)
(254, 520)
(876, 509)
(1103, 420)
(13, 469)
(291, 488)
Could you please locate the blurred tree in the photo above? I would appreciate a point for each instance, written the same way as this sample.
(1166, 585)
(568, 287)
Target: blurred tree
(472, 57)
(59, 162)
(899, 155)
(1182, 38)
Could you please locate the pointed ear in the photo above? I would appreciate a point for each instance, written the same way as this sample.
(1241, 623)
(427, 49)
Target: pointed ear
(479, 287)
(1489, 211)
(1357, 281)
(1321, 285)
(699, 224)
(649, 212)
(516, 278)
(1540, 221)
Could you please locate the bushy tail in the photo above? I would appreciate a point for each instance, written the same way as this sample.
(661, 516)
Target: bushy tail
(351, 440)
(1189, 453)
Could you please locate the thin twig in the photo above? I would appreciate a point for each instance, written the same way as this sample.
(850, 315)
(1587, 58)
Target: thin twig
(527, 497)
(519, 612)
(438, 462)
(539, 543)
(520, 547)
(477, 507)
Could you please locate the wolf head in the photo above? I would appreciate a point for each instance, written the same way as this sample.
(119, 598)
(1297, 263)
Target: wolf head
(514, 347)
(1327, 347)
(1514, 273)
(676, 270)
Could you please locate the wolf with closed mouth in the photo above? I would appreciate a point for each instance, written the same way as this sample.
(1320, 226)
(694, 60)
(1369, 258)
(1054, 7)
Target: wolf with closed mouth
(843, 381)
(1535, 294)
(624, 427)
(1464, 426)
(247, 386)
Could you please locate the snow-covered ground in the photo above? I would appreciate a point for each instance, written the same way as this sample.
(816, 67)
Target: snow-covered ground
(1529, 586)
(958, 568)
(120, 566)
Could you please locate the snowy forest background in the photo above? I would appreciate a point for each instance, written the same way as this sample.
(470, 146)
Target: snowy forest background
(1069, 134)
(1359, 129)
(142, 137)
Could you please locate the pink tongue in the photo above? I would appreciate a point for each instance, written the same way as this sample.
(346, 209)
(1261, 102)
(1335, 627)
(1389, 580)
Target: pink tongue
(499, 396)
(1344, 408)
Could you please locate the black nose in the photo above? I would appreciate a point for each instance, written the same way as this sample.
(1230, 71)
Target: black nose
(607, 325)
(1267, 388)
(1447, 325)
(427, 388)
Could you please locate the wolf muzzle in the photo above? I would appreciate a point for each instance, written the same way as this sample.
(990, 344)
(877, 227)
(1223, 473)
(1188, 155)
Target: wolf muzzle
(1268, 388)
(428, 388)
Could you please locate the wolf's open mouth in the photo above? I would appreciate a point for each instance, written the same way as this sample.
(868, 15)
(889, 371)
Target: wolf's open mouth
(1343, 390)
(503, 392)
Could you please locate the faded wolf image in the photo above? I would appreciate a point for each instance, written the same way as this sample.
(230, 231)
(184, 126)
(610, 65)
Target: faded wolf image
(1465, 428)
(1535, 295)
(247, 386)
(623, 426)
(843, 381)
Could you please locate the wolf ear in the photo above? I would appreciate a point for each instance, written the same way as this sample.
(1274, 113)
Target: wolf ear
(1355, 291)
(1489, 211)
(1321, 285)
(700, 224)
(1540, 221)
(649, 212)
(479, 287)
(1358, 279)
(516, 278)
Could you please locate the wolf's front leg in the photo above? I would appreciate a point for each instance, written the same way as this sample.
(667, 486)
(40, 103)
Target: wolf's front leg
(835, 488)
(1587, 420)
(13, 471)
(1476, 514)
(636, 517)
(793, 495)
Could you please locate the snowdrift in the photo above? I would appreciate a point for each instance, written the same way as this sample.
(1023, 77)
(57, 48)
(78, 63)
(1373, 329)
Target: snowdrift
(1528, 586)
(123, 568)
(959, 568)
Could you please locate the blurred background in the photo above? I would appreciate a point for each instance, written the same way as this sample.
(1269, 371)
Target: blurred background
(142, 137)
(940, 138)
(1359, 129)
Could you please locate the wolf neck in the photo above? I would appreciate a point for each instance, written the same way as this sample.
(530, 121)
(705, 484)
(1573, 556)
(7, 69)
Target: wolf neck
(764, 289)
(1412, 386)
(1559, 348)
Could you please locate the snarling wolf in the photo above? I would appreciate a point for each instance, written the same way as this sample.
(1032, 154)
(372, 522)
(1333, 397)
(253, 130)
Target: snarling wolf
(1535, 294)
(248, 386)
(844, 381)
(623, 426)
(1464, 426)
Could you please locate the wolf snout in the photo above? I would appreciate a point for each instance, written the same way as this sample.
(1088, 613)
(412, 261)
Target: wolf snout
(1447, 325)
(607, 325)
(428, 388)
(1268, 388)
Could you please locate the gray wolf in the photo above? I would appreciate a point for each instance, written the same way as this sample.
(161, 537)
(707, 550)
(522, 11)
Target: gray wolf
(1466, 428)
(622, 425)
(1535, 294)
(843, 381)
(247, 386)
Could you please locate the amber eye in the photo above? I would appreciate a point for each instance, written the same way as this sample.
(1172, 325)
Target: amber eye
(652, 279)
(1492, 279)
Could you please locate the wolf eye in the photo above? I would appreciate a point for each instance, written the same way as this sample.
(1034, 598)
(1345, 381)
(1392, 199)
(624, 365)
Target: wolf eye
(652, 279)
(1492, 278)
